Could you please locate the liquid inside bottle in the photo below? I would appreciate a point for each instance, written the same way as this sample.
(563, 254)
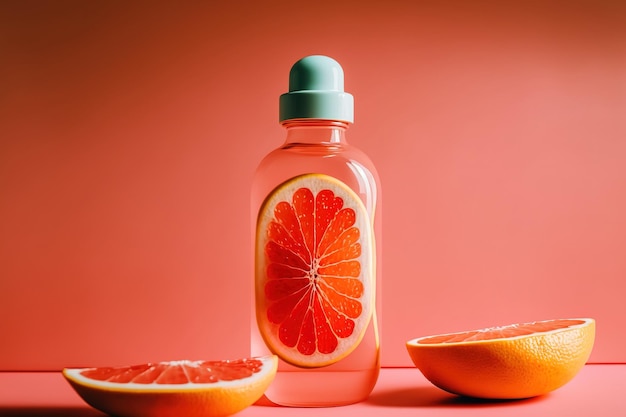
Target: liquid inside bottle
(315, 150)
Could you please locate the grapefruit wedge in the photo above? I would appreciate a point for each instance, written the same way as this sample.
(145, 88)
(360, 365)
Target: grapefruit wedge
(175, 389)
(507, 362)
(314, 270)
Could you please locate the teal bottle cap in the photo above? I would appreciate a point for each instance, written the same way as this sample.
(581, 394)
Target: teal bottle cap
(316, 92)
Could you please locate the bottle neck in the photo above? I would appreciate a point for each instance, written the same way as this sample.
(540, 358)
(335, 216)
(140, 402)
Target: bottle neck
(315, 131)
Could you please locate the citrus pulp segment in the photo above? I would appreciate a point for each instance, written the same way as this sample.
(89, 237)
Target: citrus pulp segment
(508, 362)
(178, 388)
(314, 290)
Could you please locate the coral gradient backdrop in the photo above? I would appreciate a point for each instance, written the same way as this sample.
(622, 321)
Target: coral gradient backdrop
(130, 131)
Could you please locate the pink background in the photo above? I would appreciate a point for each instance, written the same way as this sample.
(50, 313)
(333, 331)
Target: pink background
(129, 134)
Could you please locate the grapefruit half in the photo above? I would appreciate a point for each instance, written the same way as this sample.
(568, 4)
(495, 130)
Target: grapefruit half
(507, 362)
(174, 389)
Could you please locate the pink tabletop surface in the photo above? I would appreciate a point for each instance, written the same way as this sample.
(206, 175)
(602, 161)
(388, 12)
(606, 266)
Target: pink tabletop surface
(597, 390)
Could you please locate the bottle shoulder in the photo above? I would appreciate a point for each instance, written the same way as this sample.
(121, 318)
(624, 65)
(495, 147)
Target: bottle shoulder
(309, 155)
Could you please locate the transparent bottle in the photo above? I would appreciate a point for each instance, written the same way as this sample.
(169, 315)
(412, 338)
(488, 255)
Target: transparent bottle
(316, 114)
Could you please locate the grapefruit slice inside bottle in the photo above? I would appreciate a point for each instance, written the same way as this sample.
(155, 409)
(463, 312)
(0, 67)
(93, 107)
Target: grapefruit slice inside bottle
(314, 270)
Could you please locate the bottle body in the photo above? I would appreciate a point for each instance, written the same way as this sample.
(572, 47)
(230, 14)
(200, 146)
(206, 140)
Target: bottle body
(319, 147)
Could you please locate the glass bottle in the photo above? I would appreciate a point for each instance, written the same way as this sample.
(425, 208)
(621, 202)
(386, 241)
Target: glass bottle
(316, 114)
